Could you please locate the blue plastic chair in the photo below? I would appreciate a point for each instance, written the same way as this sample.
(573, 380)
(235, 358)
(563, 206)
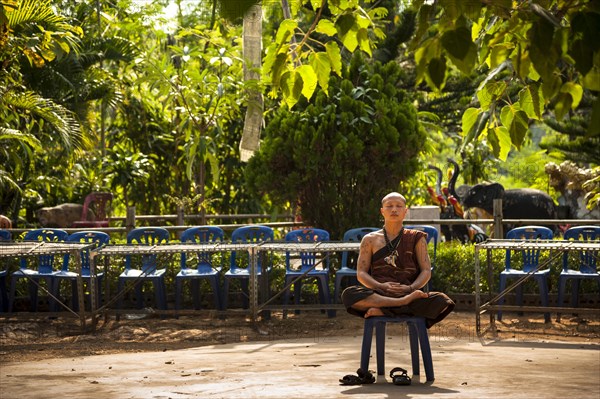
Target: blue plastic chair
(204, 270)
(347, 268)
(149, 266)
(99, 239)
(418, 336)
(306, 269)
(586, 268)
(253, 233)
(5, 235)
(531, 258)
(45, 267)
(432, 235)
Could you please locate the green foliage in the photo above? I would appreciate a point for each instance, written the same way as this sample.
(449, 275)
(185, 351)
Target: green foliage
(550, 49)
(37, 132)
(338, 156)
(297, 60)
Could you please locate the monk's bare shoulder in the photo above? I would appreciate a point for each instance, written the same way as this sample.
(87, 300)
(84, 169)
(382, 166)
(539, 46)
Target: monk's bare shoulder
(372, 241)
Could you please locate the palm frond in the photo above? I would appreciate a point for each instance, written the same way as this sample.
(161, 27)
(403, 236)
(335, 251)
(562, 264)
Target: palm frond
(60, 118)
(13, 134)
(7, 182)
(108, 49)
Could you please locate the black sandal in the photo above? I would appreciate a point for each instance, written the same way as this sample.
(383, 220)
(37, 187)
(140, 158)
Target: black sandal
(400, 379)
(360, 379)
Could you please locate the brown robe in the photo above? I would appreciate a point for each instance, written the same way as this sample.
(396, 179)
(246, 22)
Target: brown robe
(434, 308)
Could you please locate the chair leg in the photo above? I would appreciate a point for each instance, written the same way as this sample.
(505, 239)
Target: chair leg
(575, 293)
(195, 288)
(139, 293)
(11, 295)
(426, 351)
(225, 294)
(336, 288)
(365, 352)
(178, 293)
(160, 290)
(380, 328)
(216, 294)
(562, 286)
(543, 285)
(245, 293)
(3, 295)
(120, 293)
(325, 295)
(297, 294)
(74, 296)
(33, 294)
(519, 292)
(413, 334)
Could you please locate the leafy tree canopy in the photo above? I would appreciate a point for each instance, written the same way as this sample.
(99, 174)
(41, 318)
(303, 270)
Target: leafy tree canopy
(337, 156)
(539, 58)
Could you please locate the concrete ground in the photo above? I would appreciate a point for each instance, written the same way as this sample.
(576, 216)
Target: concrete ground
(464, 368)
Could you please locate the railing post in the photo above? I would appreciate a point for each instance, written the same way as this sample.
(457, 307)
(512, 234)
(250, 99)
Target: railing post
(498, 230)
(130, 219)
(180, 219)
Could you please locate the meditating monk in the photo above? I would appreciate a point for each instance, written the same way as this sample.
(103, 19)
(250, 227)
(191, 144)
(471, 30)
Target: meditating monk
(393, 266)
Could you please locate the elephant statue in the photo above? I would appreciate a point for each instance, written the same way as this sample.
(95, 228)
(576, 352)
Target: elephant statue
(449, 208)
(521, 203)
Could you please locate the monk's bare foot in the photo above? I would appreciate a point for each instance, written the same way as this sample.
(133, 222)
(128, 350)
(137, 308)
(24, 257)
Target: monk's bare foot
(418, 294)
(372, 312)
(412, 296)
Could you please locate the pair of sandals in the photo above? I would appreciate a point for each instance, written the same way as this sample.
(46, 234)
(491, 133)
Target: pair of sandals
(362, 378)
(398, 375)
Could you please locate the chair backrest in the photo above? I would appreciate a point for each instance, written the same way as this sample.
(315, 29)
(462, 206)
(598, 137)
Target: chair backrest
(99, 203)
(45, 262)
(587, 259)
(98, 238)
(5, 235)
(356, 234)
(146, 236)
(201, 235)
(252, 233)
(432, 235)
(307, 259)
(531, 257)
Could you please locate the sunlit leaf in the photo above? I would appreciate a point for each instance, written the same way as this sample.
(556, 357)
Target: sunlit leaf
(309, 80)
(517, 123)
(562, 105)
(364, 43)
(591, 79)
(322, 67)
(335, 57)
(347, 31)
(469, 119)
(326, 27)
(291, 88)
(499, 138)
(531, 101)
(575, 90)
(285, 31)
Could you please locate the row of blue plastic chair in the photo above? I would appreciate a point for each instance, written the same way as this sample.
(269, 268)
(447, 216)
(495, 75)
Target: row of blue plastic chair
(584, 269)
(149, 270)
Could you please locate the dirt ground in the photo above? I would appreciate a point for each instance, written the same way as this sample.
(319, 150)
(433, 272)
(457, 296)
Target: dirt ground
(26, 337)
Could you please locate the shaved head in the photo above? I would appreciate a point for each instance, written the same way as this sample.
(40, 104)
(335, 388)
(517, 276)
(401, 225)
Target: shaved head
(395, 196)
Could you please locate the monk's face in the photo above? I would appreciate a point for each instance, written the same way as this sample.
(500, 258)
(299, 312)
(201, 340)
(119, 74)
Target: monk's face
(393, 208)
